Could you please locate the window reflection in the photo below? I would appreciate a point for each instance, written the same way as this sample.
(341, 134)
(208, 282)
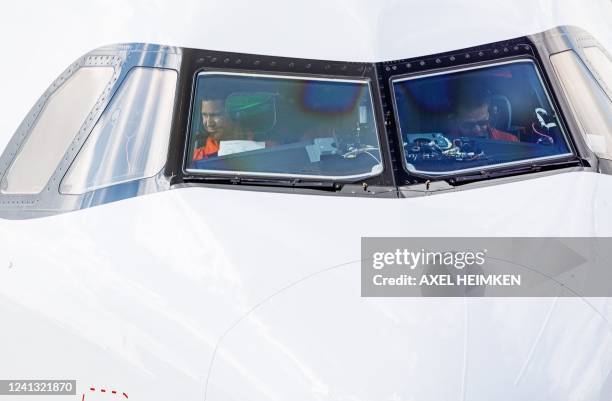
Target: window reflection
(270, 125)
(468, 119)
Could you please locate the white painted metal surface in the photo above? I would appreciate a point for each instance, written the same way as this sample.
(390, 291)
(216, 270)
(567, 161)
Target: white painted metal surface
(139, 294)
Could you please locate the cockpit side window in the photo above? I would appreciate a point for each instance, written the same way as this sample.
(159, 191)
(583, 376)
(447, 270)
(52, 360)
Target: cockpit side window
(287, 126)
(591, 105)
(475, 118)
(55, 128)
(602, 65)
(130, 140)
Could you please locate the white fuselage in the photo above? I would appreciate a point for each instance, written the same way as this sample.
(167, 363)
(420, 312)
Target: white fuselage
(141, 294)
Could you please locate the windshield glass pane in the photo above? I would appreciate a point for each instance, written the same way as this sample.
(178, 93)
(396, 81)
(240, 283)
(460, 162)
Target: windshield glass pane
(474, 118)
(283, 126)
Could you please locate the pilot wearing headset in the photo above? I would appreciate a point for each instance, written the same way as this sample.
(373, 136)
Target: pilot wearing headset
(217, 125)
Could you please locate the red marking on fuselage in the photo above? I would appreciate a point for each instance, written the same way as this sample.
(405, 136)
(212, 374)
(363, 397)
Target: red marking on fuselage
(102, 390)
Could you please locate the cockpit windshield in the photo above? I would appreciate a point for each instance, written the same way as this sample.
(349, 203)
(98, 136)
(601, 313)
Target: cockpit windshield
(478, 117)
(283, 126)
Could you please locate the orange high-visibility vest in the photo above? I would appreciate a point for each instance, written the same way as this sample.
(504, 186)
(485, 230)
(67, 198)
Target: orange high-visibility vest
(209, 149)
(502, 135)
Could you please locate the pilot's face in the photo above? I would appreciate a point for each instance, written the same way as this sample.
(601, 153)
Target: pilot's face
(474, 122)
(214, 118)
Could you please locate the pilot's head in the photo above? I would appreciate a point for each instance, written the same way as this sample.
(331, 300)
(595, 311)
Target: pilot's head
(215, 120)
(472, 116)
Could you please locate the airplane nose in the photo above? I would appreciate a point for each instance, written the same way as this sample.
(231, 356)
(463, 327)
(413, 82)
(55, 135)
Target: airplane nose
(319, 339)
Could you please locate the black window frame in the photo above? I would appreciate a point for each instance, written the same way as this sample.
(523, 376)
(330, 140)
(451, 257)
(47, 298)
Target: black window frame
(474, 57)
(395, 178)
(196, 61)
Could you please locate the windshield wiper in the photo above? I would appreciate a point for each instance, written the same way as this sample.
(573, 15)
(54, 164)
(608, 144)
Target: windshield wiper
(268, 182)
(480, 175)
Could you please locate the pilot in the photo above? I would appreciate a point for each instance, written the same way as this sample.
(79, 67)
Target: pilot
(217, 126)
(472, 119)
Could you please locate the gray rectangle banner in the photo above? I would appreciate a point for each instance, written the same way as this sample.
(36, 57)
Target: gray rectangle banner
(486, 267)
(37, 387)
